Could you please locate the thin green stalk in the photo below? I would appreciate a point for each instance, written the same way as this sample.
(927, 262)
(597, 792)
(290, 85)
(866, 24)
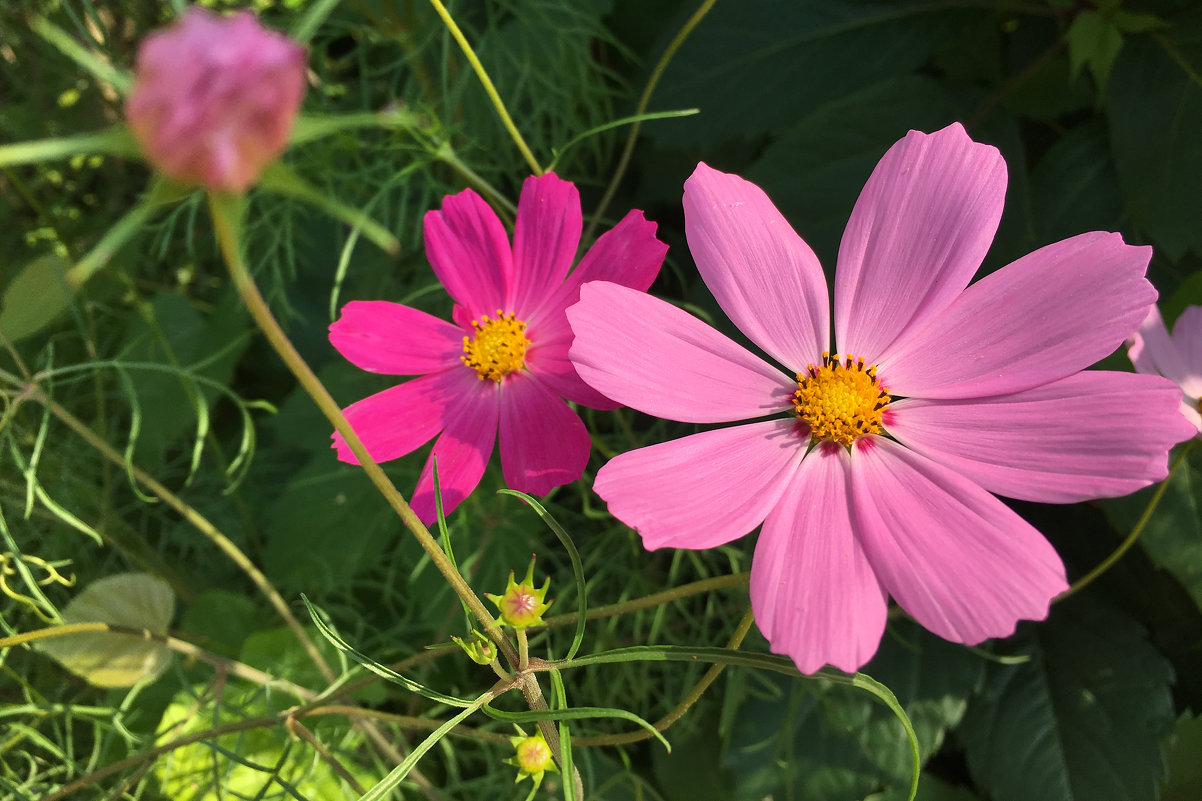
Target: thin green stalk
(655, 599)
(640, 109)
(201, 524)
(226, 227)
(487, 83)
(1138, 529)
(685, 704)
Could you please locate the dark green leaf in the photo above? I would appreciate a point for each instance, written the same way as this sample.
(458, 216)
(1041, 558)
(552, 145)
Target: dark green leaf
(37, 295)
(1083, 720)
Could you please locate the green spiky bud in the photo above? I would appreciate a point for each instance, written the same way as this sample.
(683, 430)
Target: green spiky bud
(522, 605)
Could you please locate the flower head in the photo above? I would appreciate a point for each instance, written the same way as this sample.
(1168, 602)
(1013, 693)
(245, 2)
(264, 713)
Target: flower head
(1177, 357)
(214, 98)
(532, 757)
(872, 477)
(522, 605)
(503, 364)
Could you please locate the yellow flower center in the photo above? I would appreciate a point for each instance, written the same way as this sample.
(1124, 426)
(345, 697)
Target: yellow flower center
(498, 347)
(840, 401)
(534, 756)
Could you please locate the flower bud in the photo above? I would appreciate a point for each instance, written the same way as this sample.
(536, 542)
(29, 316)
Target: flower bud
(481, 649)
(214, 98)
(522, 605)
(532, 757)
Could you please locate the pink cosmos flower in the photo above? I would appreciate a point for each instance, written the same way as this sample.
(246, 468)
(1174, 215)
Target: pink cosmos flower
(214, 98)
(504, 362)
(877, 480)
(1177, 357)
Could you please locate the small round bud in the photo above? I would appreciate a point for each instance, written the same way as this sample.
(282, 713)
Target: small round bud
(532, 757)
(214, 98)
(522, 605)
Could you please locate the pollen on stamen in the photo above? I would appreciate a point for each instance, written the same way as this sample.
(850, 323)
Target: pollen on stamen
(497, 348)
(841, 400)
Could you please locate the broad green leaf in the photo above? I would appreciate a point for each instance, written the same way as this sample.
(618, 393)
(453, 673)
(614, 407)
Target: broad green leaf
(1083, 720)
(756, 67)
(1184, 782)
(221, 620)
(110, 659)
(818, 742)
(1093, 41)
(1173, 536)
(1074, 188)
(35, 297)
(1154, 109)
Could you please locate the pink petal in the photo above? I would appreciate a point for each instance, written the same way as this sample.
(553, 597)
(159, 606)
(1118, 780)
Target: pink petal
(383, 337)
(462, 451)
(549, 362)
(1092, 435)
(917, 234)
(628, 254)
(1177, 357)
(544, 444)
(813, 592)
(1044, 317)
(401, 419)
(705, 489)
(762, 274)
(1187, 336)
(469, 252)
(651, 356)
(545, 237)
(957, 559)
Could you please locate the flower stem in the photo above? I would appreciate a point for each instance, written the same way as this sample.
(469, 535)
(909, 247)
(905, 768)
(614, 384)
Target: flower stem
(1138, 529)
(644, 101)
(225, 210)
(201, 524)
(686, 703)
(487, 83)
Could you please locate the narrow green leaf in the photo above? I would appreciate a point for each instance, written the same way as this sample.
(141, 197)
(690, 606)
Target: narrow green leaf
(375, 667)
(576, 713)
(577, 565)
(279, 179)
(309, 126)
(116, 141)
(312, 19)
(90, 60)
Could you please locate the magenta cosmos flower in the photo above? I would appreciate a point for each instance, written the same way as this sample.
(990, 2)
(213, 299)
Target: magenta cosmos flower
(503, 363)
(873, 477)
(1177, 357)
(214, 98)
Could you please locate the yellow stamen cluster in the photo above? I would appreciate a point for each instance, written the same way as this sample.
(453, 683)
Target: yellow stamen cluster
(840, 401)
(498, 346)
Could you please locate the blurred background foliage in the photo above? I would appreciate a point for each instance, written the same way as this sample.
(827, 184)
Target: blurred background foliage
(1097, 107)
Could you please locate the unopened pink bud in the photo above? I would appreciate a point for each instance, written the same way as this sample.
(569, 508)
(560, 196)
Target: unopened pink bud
(214, 98)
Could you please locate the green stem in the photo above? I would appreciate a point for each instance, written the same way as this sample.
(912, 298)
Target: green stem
(201, 524)
(655, 599)
(640, 109)
(226, 227)
(1138, 529)
(686, 703)
(487, 83)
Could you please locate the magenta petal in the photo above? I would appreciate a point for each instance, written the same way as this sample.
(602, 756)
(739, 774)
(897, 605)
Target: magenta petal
(463, 450)
(1092, 435)
(469, 252)
(628, 254)
(389, 338)
(401, 419)
(544, 444)
(917, 234)
(1044, 317)
(705, 489)
(956, 558)
(813, 592)
(545, 237)
(651, 356)
(762, 274)
(549, 362)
